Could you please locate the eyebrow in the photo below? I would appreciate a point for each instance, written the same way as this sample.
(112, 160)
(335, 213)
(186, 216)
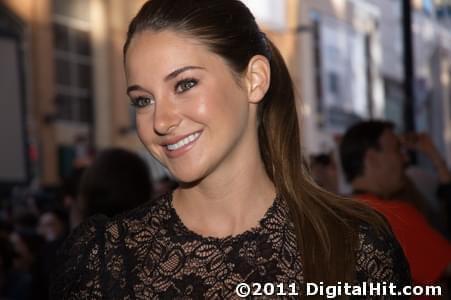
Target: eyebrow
(177, 72)
(136, 88)
(170, 76)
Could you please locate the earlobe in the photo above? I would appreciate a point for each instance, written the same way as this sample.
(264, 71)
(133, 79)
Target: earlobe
(258, 78)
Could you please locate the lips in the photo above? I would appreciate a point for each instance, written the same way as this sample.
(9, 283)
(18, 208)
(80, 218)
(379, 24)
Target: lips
(177, 146)
(183, 142)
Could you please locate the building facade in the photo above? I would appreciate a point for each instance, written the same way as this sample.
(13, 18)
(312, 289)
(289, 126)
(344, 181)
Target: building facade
(334, 55)
(74, 82)
(347, 62)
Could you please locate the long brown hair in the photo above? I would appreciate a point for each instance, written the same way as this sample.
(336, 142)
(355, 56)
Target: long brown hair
(324, 223)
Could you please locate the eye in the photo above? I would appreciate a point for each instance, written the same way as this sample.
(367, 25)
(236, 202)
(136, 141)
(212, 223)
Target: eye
(140, 102)
(184, 85)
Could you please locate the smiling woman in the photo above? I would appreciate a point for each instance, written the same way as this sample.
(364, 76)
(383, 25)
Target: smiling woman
(215, 105)
(196, 115)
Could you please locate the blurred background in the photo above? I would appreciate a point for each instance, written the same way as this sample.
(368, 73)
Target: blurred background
(63, 100)
(63, 89)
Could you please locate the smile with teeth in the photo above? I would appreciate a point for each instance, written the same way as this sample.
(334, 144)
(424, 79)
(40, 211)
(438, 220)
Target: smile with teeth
(183, 142)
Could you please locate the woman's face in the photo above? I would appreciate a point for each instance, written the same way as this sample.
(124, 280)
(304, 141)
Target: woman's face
(191, 113)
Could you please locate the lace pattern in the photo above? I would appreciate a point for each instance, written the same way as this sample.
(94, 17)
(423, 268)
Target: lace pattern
(149, 254)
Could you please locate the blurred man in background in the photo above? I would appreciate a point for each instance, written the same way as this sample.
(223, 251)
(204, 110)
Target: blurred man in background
(373, 162)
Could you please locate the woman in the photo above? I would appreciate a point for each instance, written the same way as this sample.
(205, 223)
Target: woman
(215, 105)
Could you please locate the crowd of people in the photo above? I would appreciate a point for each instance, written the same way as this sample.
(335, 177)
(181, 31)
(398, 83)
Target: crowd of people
(35, 225)
(372, 157)
(375, 162)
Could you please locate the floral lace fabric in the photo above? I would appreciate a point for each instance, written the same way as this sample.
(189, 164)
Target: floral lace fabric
(149, 254)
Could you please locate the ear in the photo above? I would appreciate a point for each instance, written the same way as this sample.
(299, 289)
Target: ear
(258, 77)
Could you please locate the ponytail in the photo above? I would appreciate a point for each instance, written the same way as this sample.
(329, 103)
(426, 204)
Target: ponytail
(325, 235)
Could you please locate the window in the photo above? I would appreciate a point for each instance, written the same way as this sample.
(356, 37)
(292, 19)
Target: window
(73, 60)
(394, 102)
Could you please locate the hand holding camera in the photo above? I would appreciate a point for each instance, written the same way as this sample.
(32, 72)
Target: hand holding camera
(423, 143)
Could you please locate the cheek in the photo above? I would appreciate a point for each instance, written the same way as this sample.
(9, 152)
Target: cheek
(144, 126)
(201, 110)
(230, 106)
(396, 161)
(214, 109)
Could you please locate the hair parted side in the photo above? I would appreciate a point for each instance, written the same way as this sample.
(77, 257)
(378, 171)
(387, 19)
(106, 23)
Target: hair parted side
(324, 222)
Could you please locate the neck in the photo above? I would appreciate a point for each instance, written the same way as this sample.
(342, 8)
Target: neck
(367, 185)
(230, 200)
(241, 187)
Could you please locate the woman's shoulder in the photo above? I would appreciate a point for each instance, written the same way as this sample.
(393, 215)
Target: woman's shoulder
(83, 237)
(379, 256)
(99, 227)
(149, 216)
(77, 267)
(102, 229)
(84, 255)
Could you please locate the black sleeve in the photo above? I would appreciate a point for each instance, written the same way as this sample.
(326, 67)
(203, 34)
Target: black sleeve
(78, 271)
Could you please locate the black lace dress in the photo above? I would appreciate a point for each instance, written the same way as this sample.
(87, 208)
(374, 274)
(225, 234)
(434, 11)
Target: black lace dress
(149, 254)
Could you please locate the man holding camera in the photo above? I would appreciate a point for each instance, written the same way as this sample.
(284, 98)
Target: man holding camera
(373, 160)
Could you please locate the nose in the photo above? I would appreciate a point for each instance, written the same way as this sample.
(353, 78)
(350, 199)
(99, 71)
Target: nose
(166, 117)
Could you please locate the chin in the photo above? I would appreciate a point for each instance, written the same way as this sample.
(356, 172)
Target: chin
(186, 176)
(395, 190)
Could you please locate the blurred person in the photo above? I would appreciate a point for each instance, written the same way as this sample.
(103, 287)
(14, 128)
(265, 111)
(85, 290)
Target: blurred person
(83, 152)
(13, 285)
(7, 256)
(324, 171)
(432, 207)
(218, 111)
(26, 245)
(423, 144)
(53, 225)
(373, 162)
(71, 191)
(24, 220)
(44, 198)
(118, 180)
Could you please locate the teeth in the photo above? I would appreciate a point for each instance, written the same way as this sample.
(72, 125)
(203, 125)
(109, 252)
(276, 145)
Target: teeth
(183, 142)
